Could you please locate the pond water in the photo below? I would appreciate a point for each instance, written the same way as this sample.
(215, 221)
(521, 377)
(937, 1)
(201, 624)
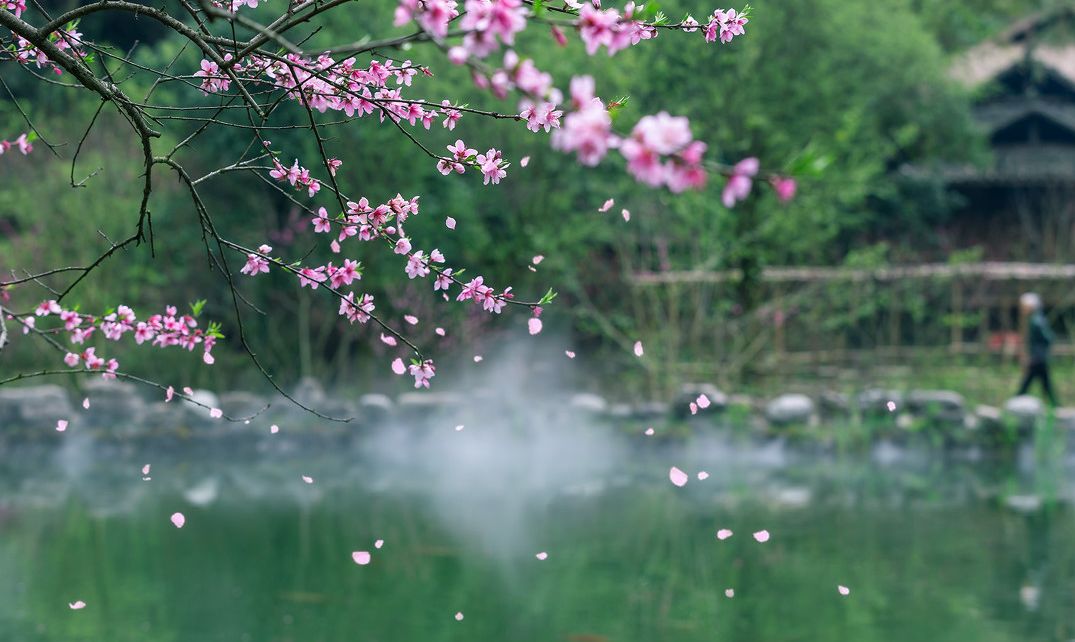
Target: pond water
(929, 545)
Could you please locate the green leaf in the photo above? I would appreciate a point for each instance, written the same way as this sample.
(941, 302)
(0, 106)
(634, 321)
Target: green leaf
(196, 307)
(547, 299)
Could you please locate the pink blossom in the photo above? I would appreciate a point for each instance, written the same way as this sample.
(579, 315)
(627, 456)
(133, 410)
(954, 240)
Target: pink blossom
(740, 182)
(587, 132)
(422, 373)
(321, 222)
(785, 188)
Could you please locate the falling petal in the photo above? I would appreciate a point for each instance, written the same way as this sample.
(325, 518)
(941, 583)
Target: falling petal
(397, 366)
(649, 432)
(702, 475)
(891, 406)
(702, 401)
(411, 319)
(477, 358)
(459, 428)
(145, 469)
(843, 590)
(607, 204)
(694, 408)
(537, 259)
(208, 358)
(61, 425)
(449, 223)
(524, 161)
(178, 519)
(77, 605)
(534, 324)
(459, 616)
(168, 394)
(361, 557)
(86, 403)
(307, 479)
(187, 390)
(216, 413)
(638, 349)
(542, 556)
(531, 268)
(378, 544)
(762, 536)
(274, 429)
(729, 592)
(723, 534)
(678, 477)
(626, 215)
(388, 340)
(570, 354)
(439, 331)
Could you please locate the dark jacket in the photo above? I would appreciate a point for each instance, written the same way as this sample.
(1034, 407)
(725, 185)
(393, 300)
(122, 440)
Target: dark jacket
(1039, 338)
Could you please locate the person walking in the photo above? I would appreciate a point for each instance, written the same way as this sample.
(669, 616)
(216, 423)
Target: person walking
(1038, 340)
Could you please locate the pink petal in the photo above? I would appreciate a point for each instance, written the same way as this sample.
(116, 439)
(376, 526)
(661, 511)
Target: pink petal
(61, 425)
(459, 616)
(703, 401)
(378, 544)
(891, 406)
(570, 354)
(411, 319)
(723, 534)
(449, 223)
(678, 477)
(762, 536)
(534, 324)
(524, 161)
(168, 394)
(307, 479)
(178, 519)
(274, 429)
(77, 605)
(537, 259)
(216, 413)
(729, 592)
(542, 556)
(607, 204)
(361, 557)
(702, 475)
(649, 432)
(86, 403)
(145, 469)
(478, 358)
(388, 339)
(187, 390)
(638, 349)
(694, 408)
(459, 428)
(208, 358)
(843, 590)
(439, 331)
(626, 215)
(397, 366)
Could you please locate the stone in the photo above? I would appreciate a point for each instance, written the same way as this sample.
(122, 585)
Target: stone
(34, 406)
(375, 409)
(240, 404)
(195, 415)
(418, 407)
(689, 393)
(875, 402)
(1024, 412)
(1024, 504)
(942, 406)
(790, 409)
(588, 403)
(834, 404)
(309, 392)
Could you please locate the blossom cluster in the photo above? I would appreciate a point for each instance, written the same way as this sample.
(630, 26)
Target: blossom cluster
(23, 142)
(68, 40)
(160, 330)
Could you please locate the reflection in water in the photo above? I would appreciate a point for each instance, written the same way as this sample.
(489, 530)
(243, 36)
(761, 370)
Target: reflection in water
(931, 546)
